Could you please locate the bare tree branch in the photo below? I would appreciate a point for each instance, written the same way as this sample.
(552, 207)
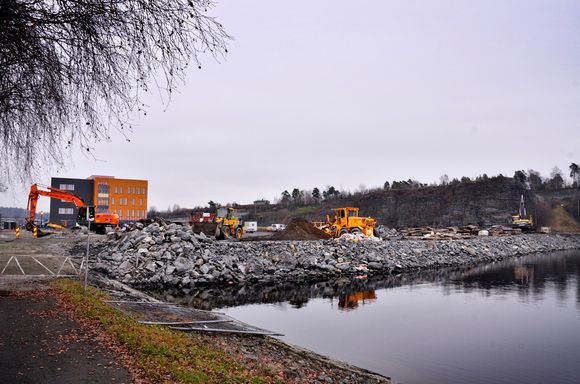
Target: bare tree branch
(70, 70)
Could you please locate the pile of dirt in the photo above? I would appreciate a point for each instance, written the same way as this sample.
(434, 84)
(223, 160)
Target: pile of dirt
(300, 229)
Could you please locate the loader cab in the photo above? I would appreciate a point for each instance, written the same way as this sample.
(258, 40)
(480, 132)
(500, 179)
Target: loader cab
(226, 213)
(342, 214)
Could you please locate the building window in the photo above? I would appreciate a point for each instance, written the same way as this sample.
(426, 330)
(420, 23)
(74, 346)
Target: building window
(115, 189)
(133, 213)
(144, 191)
(120, 189)
(65, 211)
(140, 201)
(112, 201)
(143, 213)
(133, 201)
(138, 190)
(103, 190)
(67, 187)
(120, 212)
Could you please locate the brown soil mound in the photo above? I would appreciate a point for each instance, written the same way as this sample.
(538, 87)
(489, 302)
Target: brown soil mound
(300, 229)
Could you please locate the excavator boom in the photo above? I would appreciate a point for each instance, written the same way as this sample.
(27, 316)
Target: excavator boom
(52, 192)
(101, 219)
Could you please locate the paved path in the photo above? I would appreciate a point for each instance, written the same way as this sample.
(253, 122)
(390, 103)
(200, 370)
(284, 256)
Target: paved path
(28, 256)
(39, 344)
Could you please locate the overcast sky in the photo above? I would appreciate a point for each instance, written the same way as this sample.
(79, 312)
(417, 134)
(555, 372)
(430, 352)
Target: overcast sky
(317, 93)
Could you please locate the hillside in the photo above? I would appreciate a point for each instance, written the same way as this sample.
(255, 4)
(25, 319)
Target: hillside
(482, 202)
(562, 221)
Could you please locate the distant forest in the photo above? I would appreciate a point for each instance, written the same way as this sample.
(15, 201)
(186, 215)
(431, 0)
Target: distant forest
(9, 212)
(531, 179)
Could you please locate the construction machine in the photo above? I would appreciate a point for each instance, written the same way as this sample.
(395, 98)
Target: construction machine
(223, 225)
(347, 220)
(522, 220)
(101, 220)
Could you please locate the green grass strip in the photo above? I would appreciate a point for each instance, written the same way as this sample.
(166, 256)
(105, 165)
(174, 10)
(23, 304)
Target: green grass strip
(162, 354)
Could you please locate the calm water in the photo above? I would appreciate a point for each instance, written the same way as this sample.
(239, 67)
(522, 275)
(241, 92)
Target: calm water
(511, 322)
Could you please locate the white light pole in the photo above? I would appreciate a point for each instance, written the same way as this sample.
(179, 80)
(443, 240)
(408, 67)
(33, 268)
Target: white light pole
(88, 246)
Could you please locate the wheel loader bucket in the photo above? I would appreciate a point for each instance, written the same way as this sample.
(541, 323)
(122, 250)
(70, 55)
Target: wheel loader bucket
(209, 229)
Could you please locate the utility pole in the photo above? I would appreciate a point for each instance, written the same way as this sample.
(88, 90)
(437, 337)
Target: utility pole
(88, 247)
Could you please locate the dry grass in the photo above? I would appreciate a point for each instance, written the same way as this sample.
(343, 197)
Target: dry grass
(561, 221)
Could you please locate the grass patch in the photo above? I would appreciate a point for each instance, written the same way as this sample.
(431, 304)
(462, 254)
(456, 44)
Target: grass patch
(162, 354)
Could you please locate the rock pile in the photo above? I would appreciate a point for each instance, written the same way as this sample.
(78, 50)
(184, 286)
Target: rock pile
(163, 255)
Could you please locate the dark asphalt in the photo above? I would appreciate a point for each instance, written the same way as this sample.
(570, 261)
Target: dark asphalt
(40, 344)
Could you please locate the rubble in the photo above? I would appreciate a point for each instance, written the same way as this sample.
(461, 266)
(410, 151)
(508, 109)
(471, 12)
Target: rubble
(163, 255)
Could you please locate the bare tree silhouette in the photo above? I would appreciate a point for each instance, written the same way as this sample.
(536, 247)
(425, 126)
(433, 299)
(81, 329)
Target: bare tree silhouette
(71, 70)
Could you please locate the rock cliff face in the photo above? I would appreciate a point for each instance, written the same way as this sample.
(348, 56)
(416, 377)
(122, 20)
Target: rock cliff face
(482, 203)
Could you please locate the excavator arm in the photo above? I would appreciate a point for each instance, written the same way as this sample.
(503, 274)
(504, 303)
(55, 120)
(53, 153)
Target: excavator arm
(54, 193)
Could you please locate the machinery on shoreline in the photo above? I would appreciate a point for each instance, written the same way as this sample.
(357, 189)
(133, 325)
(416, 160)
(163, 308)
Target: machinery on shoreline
(347, 220)
(224, 224)
(101, 220)
(522, 220)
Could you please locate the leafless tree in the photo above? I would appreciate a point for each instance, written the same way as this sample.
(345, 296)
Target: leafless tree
(72, 70)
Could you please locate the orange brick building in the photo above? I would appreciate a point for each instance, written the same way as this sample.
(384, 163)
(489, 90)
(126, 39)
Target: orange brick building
(125, 197)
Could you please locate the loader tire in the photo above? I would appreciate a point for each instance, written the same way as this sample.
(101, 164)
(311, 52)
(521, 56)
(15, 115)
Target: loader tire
(227, 231)
(239, 233)
(342, 232)
(356, 231)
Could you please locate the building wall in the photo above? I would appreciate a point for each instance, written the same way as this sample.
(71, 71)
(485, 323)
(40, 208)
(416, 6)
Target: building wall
(125, 197)
(64, 212)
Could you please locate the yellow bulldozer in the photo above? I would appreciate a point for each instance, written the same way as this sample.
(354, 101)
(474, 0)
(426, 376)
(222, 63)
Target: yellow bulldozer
(347, 220)
(223, 225)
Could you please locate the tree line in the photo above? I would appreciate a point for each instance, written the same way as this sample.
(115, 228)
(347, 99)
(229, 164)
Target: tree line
(531, 179)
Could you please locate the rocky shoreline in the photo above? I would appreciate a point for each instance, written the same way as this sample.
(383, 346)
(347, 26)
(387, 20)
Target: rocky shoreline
(161, 256)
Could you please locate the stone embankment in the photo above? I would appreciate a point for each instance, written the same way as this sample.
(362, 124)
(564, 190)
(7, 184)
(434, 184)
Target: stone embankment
(168, 255)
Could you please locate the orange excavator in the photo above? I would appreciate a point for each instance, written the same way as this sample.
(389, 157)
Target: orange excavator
(101, 220)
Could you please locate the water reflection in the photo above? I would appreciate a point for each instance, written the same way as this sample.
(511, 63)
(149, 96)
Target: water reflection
(297, 295)
(351, 301)
(504, 323)
(528, 276)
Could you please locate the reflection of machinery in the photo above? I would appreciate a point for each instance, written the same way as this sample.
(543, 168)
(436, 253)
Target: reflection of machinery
(522, 220)
(225, 224)
(101, 220)
(524, 274)
(347, 220)
(350, 301)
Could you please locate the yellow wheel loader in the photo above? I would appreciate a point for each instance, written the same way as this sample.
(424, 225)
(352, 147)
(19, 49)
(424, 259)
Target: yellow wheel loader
(347, 220)
(224, 225)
